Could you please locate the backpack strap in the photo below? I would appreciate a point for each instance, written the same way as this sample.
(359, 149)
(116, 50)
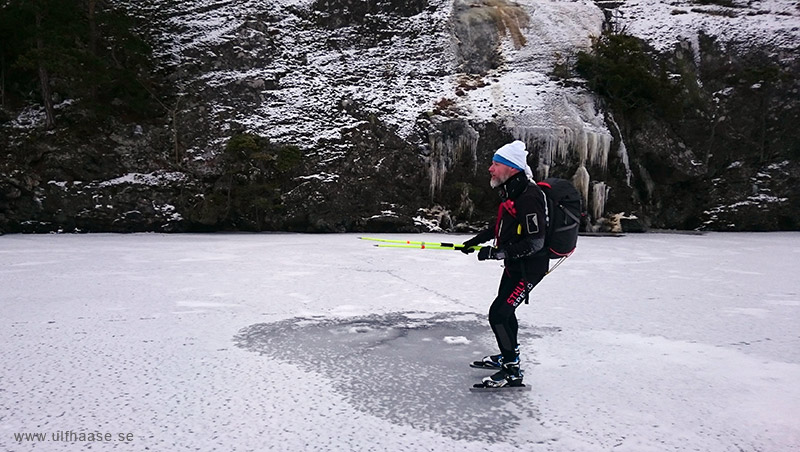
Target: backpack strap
(569, 214)
(508, 206)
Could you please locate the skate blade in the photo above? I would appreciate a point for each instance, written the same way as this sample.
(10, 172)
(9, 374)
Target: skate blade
(478, 388)
(479, 366)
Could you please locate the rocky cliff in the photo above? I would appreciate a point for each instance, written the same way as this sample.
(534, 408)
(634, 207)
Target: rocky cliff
(352, 115)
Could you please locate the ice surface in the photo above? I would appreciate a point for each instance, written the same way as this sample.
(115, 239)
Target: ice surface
(242, 342)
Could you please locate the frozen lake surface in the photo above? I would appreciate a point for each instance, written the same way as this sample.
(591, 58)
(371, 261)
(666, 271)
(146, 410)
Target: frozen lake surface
(251, 342)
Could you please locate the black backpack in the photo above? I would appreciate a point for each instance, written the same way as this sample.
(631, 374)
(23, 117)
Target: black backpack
(564, 212)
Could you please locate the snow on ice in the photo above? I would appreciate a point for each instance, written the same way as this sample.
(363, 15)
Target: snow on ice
(241, 342)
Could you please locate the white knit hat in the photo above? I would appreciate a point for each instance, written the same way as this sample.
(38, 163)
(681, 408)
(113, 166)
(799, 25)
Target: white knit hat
(514, 155)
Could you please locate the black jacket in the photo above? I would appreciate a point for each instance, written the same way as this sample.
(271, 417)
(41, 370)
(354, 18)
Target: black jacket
(520, 227)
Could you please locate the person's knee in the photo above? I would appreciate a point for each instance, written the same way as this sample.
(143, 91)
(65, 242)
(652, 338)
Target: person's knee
(499, 313)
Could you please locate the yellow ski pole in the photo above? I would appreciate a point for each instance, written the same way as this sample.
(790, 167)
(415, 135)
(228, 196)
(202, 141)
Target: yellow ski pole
(392, 243)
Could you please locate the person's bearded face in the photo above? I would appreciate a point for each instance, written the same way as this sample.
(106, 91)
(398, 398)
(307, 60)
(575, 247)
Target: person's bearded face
(500, 173)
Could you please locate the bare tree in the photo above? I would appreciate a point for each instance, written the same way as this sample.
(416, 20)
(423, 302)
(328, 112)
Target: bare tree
(2, 79)
(91, 15)
(44, 76)
(94, 36)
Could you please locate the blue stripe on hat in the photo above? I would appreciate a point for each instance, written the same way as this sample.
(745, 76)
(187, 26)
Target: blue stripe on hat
(500, 159)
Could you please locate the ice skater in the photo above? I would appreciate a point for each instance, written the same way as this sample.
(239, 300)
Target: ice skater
(519, 240)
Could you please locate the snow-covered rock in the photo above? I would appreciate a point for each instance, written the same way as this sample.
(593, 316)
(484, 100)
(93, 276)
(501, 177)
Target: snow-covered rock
(402, 103)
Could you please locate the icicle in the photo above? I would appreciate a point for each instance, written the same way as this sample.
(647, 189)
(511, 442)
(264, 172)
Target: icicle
(598, 147)
(446, 151)
(585, 142)
(599, 195)
(542, 171)
(563, 140)
(581, 182)
(648, 181)
(557, 145)
(436, 168)
(623, 152)
(553, 145)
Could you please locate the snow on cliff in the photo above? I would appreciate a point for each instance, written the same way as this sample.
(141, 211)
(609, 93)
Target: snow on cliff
(666, 23)
(303, 75)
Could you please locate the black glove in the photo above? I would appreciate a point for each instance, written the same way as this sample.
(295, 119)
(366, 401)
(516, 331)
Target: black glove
(490, 252)
(467, 246)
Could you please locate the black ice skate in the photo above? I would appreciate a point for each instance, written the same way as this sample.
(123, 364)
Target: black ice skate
(508, 377)
(493, 362)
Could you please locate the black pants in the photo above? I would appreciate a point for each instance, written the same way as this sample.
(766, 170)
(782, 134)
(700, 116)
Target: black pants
(502, 314)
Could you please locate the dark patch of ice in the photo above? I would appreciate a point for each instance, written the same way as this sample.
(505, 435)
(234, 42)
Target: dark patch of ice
(409, 368)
